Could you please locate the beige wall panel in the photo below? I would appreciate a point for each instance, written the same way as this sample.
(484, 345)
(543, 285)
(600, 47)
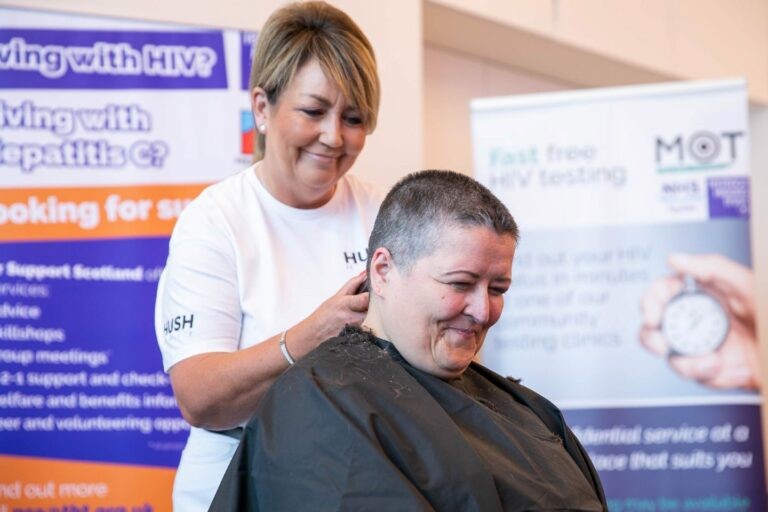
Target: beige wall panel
(713, 39)
(642, 40)
(488, 38)
(451, 80)
(535, 14)
(638, 31)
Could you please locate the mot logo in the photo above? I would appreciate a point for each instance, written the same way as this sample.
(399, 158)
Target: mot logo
(699, 151)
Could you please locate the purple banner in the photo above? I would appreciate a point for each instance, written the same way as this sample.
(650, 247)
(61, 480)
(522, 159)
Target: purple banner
(707, 457)
(96, 59)
(247, 47)
(80, 373)
(728, 197)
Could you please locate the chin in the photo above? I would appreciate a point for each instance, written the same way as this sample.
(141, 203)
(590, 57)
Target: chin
(454, 368)
(322, 179)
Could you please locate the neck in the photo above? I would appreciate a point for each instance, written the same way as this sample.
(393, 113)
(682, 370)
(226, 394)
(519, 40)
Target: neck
(373, 323)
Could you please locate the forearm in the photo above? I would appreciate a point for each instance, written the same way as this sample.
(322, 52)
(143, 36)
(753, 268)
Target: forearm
(220, 390)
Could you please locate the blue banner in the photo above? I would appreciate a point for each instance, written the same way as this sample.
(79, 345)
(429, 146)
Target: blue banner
(98, 59)
(692, 457)
(80, 362)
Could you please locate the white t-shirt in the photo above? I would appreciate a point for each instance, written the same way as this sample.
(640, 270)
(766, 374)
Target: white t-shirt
(242, 267)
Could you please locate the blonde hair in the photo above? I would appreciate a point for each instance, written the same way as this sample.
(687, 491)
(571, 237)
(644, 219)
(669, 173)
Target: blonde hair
(302, 31)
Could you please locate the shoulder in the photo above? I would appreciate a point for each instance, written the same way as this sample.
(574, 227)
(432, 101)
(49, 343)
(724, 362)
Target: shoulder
(208, 212)
(339, 379)
(348, 371)
(347, 359)
(219, 193)
(538, 403)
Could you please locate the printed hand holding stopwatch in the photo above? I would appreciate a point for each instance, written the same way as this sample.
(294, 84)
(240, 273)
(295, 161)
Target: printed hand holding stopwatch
(694, 322)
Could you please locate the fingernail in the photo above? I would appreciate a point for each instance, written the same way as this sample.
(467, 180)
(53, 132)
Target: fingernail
(678, 258)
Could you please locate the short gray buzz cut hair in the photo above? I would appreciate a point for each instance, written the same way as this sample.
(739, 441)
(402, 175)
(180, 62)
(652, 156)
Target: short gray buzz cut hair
(418, 206)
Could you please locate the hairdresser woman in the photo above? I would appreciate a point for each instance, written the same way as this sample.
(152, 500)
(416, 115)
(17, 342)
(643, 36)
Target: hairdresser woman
(266, 264)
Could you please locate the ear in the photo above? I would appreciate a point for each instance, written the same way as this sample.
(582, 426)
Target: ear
(260, 106)
(380, 274)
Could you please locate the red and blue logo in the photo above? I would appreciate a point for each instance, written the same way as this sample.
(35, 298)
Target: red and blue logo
(247, 132)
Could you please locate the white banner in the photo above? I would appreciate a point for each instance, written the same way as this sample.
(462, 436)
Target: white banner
(632, 304)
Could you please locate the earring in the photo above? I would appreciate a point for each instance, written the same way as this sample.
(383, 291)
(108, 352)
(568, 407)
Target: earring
(262, 128)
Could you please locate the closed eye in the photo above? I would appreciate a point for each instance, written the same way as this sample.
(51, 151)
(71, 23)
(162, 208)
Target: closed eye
(499, 290)
(313, 112)
(353, 120)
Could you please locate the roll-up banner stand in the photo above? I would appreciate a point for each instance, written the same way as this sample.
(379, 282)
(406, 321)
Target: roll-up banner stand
(108, 128)
(632, 304)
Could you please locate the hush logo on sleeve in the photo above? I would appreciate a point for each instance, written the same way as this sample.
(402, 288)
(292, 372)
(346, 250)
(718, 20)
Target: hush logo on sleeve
(178, 323)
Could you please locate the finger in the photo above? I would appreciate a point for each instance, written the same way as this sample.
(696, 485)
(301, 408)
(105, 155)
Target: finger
(703, 368)
(356, 319)
(351, 286)
(733, 377)
(358, 303)
(741, 362)
(715, 270)
(654, 341)
(731, 281)
(656, 297)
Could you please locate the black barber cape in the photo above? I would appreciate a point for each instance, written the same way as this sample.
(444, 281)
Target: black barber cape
(353, 426)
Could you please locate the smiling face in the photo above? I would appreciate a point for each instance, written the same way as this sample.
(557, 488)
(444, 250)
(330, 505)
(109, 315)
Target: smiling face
(438, 312)
(313, 137)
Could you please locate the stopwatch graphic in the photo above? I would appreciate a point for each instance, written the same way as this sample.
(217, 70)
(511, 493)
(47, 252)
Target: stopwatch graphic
(694, 322)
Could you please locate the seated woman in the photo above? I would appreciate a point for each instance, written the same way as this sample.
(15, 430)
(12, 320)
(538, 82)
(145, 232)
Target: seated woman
(396, 415)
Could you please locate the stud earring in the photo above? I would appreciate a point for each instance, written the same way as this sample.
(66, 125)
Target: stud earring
(262, 128)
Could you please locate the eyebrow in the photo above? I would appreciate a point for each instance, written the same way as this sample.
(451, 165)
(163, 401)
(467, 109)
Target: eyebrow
(322, 99)
(476, 276)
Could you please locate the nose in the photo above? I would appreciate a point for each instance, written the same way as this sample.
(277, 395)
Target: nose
(330, 132)
(478, 306)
